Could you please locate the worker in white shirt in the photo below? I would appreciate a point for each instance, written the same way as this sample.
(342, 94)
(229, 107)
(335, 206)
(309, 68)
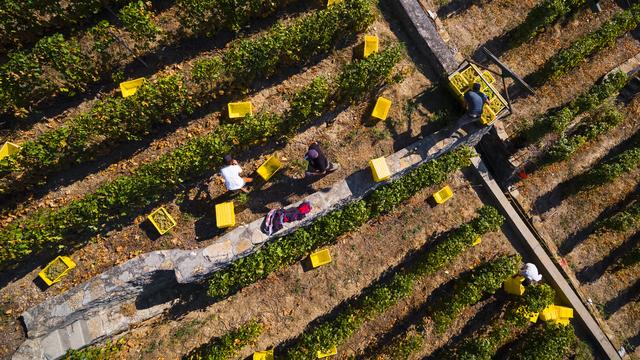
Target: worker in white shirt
(231, 175)
(530, 273)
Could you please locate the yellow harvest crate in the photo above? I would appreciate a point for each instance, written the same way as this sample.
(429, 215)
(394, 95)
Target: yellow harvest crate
(442, 195)
(263, 355)
(477, 241)
(162, 225)
(550, 313)
(487, 76)
(269, 168)
(455, 83)
(485, 89)
(8, 149)
(225, 215)
(470, 74)
(130, 87)
(320, 258)
(488, 116)
(371, 44)
(379, 169)
(332, 351)
(496, 105)
(564, 312)
(240, 109)
(61, 261)
(533, 317)
(381, 110)
(514, 285)
(557, 314)
(458, 83)
(331, 2)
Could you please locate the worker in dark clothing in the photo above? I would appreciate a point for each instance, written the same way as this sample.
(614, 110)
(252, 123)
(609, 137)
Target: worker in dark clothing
(318, 162)
(475, 101)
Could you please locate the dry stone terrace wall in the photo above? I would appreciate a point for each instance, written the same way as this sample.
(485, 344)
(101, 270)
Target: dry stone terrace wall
(145, 286)
(442, 56)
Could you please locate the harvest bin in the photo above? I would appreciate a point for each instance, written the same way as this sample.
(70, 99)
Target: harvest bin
(381, 110)
(269, 168)
(461, 80)
(225, 215)
(263, 355)
(477, 241)
(514, 286)
(329, 352)
(130, 87)
(8, 149)
(320, 258)
(442, 195)
(56, 269)
(239, 109)
(379, 169)
(370, 45)
(162, 220)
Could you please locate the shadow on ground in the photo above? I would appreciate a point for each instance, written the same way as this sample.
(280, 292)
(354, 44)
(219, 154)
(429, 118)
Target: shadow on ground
(579, 236)
(580, 182)
(632, 293)
(592, 273)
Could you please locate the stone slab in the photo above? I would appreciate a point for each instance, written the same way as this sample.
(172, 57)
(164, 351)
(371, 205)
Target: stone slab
(242, 247)
(426, 36)
(219, 251)
(52, 346)
(78, 333)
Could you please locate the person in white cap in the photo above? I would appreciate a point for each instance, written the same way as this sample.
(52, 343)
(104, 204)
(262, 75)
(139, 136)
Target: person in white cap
(530, 273)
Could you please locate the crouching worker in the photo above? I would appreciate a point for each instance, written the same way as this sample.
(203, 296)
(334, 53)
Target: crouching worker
(475, 101)
(318, 162)
(530, 273)
(231, 175)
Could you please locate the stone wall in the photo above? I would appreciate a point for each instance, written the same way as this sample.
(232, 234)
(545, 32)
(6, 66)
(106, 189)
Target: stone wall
(430, 39)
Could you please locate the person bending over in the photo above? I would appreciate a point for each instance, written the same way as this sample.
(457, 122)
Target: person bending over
(231, 175)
